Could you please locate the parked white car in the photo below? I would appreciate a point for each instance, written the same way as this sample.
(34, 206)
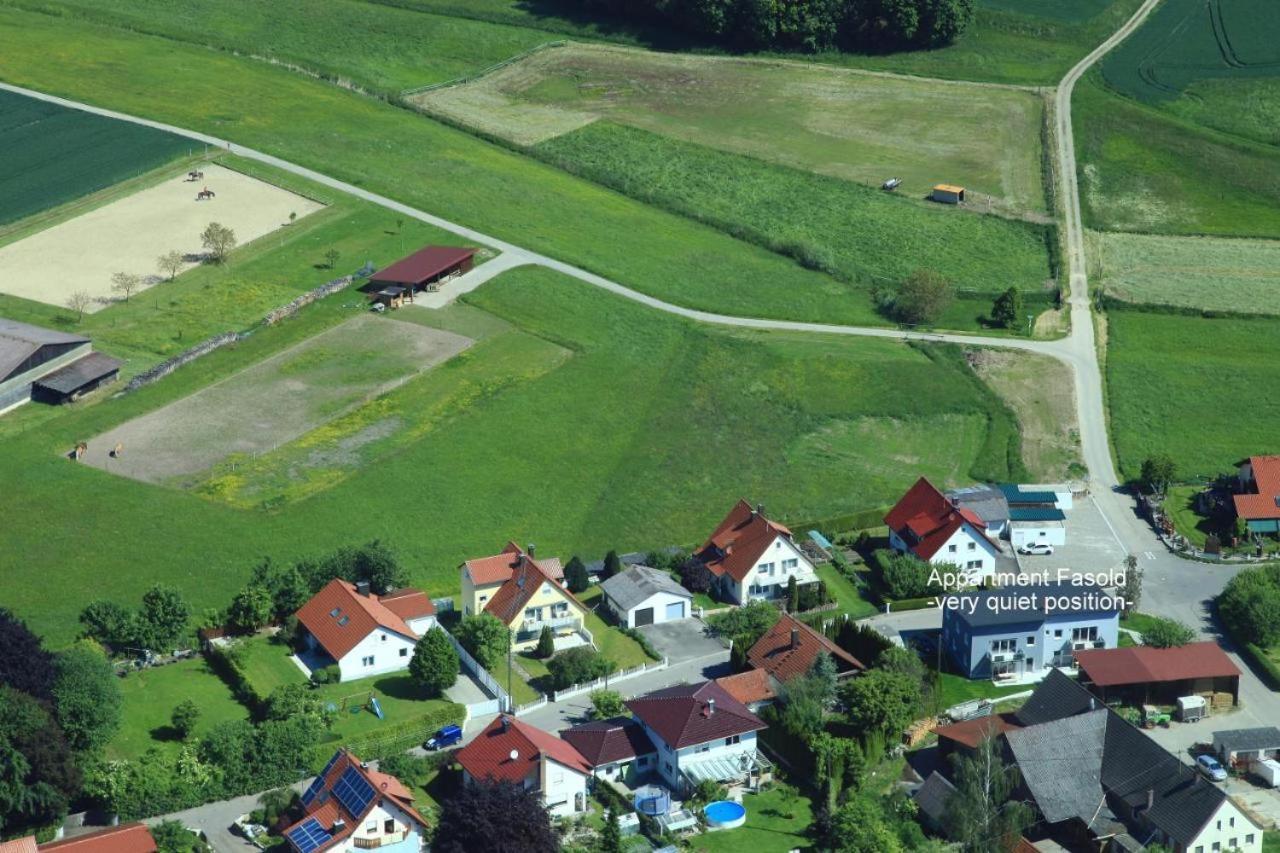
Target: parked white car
(1036, 548)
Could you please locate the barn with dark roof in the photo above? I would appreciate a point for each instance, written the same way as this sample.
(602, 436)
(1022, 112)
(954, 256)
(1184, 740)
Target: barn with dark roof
(48, 365)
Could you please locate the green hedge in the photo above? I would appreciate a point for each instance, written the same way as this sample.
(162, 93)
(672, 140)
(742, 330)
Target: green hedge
(912, 603)
(392, 738)
(836, 524)
(227, 666)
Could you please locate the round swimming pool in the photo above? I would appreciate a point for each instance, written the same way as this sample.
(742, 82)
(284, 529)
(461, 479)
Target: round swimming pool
(725, 814)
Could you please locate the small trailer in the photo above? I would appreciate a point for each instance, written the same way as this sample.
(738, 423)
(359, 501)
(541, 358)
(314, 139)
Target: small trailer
(1268, 770)
(891, 184)
(1192, 709)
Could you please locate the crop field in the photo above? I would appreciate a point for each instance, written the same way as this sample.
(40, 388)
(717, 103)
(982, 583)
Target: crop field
(822, 421)
(857, 233)
(1144, 169)
(128, 235)
(50, 155)
(1191, 272)
(380, 48)
(1197, 389)
(847, 124)
(273, 402)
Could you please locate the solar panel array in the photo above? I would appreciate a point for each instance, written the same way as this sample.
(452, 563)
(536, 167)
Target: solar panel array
(353, 791)
(318, 785)
(309, 836)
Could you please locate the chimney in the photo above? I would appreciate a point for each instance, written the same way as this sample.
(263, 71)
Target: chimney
(338, 825)
(711, 707)
(795, 638)
(530, 549)
(362, 587)
(503, 718)
(759, 510)
(1151, 797)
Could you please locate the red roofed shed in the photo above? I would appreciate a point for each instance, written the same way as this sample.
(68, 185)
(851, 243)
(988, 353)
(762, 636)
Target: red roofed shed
(424, 268)
(1144, 671)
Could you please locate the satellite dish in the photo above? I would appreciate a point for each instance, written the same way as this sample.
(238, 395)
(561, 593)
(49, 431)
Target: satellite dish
(515, 754)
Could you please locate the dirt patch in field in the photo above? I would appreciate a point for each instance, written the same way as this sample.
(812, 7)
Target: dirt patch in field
(1042, 394)
(129, 235)
(274, 402)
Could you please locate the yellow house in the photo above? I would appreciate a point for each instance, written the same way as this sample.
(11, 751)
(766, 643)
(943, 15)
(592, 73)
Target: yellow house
(532, 599)
(484, 576)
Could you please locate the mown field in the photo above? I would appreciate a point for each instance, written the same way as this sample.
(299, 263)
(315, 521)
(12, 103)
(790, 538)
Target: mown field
(1215, 274)
(51, 155)
(417, 161)
(1143, 169)
(859, 234)
(818, 426)
(1198, 389)
(379, 48)
(837, 122)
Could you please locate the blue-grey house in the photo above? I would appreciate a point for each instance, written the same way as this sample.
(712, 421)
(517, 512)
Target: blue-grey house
(1024, 630)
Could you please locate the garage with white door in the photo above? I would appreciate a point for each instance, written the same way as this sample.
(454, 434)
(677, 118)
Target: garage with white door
(645, 596)
(1029, 525)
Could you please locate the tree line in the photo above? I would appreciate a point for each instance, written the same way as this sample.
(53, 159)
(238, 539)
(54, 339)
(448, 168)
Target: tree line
(811, 26)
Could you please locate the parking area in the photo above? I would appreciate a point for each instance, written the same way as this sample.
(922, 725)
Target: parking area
(682, 640)
(1262, 804)
(1091, 546)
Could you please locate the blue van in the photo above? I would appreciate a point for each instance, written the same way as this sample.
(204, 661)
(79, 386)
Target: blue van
(447, 736)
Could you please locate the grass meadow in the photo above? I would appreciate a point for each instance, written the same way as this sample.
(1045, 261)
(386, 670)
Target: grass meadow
(379, 48)
(1198, 389)
(1209, 273)
(51, 155)
(816, 426)
(837, 122)
(1146, 170)
(859, 234)
(150, 695)
(420, 162)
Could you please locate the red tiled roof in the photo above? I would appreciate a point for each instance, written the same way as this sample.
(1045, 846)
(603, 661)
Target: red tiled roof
(739, 541)
(423, 264)
(683, 716)
(606, 741)
(496, 569)
(510, 599)
(1148, 665)
(489, 755)
(339, 618)
(776, 654)
(329, 809)
(925, 519)
(975, 731)
(125, 838)
(754, 685)
(1266, 479)
(26, 844)
(408, 603)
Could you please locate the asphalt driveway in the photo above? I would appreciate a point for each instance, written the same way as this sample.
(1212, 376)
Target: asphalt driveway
(682, 640)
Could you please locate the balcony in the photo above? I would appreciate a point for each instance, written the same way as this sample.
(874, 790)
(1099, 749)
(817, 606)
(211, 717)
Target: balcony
(1007, 657)
(555, 623)
(380, 840)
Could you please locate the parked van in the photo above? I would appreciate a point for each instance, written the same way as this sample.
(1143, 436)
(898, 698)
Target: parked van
(447, 736)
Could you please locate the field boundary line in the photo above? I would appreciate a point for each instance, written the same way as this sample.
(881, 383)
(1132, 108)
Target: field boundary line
(483, 72)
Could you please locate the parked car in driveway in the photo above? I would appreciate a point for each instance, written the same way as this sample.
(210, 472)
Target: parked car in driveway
(447, 736)
(1036, 548)
(1209, 766)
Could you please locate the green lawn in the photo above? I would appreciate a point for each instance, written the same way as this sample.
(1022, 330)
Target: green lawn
(1190, 272)
(151, 695)
(845, 593)
(767, 827)
(955, 689)
(612, 643)
(859, 127)
(1211, 373)
(1178, 503)
(1139, 622)
(380, 48)
(1271, 841)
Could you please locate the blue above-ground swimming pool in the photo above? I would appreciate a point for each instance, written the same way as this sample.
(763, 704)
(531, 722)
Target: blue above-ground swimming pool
(725, 814)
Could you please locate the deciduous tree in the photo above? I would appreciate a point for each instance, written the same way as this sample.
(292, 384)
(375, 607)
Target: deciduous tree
(24, 664)
(1164, 633)
(882, 700)
(981, 814)
(494, 816)
(250, 609)
(1007, 310)
(1157, 473)
(485, 637)
(126, 284)
(218, 240)
(170, 263)
(79, 302)
(578, 665)
(606, 704)
(164, 616)
(435, 665)
(184, 718)
(923, 297)
(86, 695)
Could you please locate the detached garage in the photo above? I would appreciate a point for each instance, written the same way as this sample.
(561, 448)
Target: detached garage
(1045, 525)
(645, 596)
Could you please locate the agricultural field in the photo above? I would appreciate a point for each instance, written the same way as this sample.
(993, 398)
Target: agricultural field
(273, 402)
(1144, 169)
(1041, 392)
(50, 155)
(693, 396)
(81, 254)
(376, 47)
(1213, 274)
(1197, 389)
(858, 234)
(847, 124)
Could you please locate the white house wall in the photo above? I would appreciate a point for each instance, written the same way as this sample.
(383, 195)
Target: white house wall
(670, 761)
(373, 826)
(385, 647)
(564, 790)
(781, 550)
(1025, 532)
(1229, 829)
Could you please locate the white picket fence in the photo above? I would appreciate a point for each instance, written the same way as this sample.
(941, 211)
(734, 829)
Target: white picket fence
(608, 681)
(486, 680)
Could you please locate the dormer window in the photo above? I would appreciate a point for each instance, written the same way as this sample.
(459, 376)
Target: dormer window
(344, 620)
(335, 611)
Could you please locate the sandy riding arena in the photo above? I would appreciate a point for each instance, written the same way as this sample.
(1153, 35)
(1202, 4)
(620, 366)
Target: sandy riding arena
(275, 401)
(129, 235)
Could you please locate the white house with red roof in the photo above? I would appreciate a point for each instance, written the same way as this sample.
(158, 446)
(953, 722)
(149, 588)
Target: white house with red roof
(753, 558)
(350, 806)
(482, 577)
(699, 732)
(511, 751)
(363, 633)
(930, 526)
(1258, 501)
